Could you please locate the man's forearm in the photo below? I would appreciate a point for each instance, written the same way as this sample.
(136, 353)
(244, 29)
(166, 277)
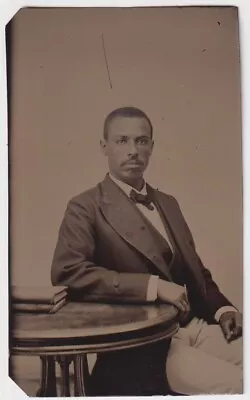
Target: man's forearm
(100, 284)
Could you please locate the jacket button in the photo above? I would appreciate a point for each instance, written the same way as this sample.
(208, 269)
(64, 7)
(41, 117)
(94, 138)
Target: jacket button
(143, 228)
(116, 284)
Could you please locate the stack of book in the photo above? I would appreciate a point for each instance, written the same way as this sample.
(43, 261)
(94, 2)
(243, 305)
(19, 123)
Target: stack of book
(38, 299)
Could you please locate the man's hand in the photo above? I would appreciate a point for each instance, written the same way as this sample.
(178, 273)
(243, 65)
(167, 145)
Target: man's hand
(231, 325)
(172, 293)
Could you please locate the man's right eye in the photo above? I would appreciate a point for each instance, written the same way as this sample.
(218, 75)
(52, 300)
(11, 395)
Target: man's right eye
(121, 141)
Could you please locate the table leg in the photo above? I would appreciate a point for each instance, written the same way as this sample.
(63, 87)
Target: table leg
(81, 375)
(48, 380)
(64, 362)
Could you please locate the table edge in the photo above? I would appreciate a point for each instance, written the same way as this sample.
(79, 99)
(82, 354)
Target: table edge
(96, 331)
(165, 333)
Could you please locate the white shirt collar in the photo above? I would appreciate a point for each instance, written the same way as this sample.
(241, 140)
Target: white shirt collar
(127, 188)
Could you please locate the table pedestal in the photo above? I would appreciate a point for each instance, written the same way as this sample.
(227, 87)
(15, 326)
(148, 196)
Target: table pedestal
(81, 375)
(48, 376)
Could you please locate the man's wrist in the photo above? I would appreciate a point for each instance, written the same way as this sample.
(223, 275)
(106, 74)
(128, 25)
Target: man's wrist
(222, 310)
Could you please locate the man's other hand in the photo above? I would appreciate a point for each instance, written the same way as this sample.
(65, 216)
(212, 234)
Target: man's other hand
(231, 325)
(172, 293)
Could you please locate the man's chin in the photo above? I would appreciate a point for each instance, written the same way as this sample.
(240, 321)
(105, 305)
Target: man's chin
(130, 177)
(133, 173)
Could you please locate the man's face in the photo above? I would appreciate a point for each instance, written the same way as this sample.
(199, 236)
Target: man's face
(128, 147)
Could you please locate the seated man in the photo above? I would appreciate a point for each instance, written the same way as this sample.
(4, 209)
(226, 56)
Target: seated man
(123, 241)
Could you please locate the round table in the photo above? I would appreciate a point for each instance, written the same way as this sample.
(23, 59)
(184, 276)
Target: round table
(80, 328)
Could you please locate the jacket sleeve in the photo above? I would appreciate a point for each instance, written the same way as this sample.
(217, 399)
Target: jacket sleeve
(74, 265)
(214, 299)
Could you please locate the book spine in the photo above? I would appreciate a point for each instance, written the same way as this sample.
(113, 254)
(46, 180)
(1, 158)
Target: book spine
(58, 306)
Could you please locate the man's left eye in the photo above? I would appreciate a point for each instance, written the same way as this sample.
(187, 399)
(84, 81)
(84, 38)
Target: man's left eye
(142, 141)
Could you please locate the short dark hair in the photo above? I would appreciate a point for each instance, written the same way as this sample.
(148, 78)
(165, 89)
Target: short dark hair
(125, 112)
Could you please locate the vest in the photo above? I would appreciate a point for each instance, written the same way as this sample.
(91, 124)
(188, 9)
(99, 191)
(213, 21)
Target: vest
(174, 260)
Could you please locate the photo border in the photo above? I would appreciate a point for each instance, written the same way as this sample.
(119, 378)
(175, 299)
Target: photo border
(8, 8)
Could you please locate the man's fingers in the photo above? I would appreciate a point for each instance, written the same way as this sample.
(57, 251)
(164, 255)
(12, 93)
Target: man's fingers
(238, 321)
(186, 305)
(180, 306)
(186, 297)
(226, 329)
(236, 326)
(183, 305)
(237, 331)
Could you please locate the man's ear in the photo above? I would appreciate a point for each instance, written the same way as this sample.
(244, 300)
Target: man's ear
(103, 145)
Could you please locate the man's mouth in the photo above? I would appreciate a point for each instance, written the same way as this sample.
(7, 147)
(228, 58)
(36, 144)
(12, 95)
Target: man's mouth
(133, 164)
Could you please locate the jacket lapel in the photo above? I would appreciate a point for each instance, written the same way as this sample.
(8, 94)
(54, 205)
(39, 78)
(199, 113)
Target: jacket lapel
(171, 216)
(122, 214)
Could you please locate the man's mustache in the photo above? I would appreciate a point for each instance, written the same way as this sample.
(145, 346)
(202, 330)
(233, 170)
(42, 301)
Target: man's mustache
(132, 160)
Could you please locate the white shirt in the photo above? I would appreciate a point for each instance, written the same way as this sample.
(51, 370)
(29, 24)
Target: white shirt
(155, 219)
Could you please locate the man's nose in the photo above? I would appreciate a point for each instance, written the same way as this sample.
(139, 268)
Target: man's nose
(132, 148)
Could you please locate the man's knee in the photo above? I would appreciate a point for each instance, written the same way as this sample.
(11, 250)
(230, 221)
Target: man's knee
(190, 371)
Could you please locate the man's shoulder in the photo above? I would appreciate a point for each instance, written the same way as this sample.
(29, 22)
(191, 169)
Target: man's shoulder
(88, 196)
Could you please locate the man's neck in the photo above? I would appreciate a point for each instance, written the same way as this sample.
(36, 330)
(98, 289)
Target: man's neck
(137, 184)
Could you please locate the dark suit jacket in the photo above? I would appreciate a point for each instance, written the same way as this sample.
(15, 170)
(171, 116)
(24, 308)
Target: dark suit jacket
(105, 253)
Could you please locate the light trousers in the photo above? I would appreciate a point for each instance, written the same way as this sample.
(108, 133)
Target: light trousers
(200, 361)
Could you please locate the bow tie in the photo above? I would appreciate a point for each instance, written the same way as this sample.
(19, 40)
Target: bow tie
(140, 198)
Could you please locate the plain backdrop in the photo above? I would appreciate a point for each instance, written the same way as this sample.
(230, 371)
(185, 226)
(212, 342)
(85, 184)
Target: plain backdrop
(181, 66)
